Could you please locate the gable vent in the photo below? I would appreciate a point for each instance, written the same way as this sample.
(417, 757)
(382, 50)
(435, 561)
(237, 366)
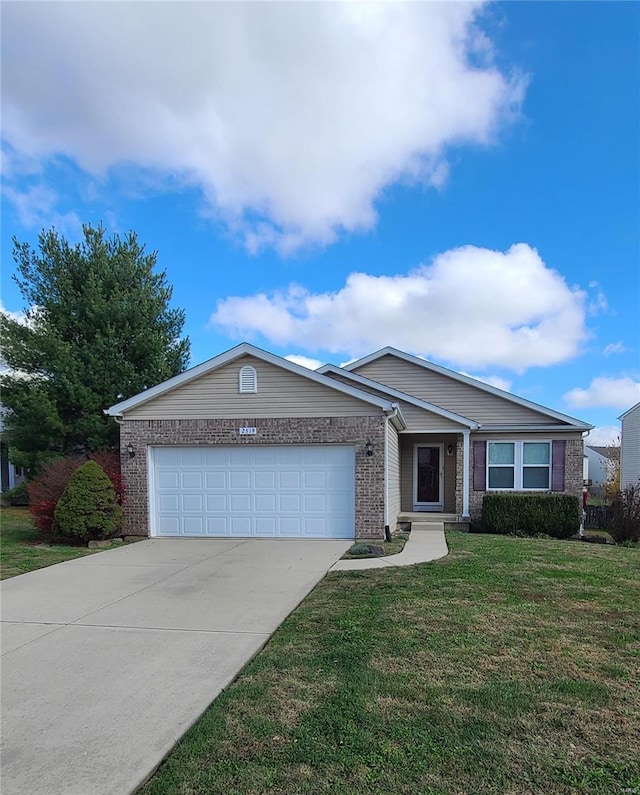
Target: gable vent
(248, 379)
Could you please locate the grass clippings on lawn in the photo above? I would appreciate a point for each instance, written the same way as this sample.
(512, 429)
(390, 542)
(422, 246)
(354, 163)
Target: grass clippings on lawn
(512, 666)
(23, 549)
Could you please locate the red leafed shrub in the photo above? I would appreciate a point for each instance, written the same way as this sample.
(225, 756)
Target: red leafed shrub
(47, 488)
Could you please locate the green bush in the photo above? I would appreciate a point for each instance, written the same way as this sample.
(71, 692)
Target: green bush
(625, 509)
(16, 496)
(557, 515)
(88, 509)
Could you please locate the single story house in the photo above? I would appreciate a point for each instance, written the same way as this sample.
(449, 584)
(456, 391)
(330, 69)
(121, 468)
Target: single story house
(602, 464)
(250, 444)
(630, 447)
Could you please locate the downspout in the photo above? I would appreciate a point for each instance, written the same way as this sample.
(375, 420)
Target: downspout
(389, 414)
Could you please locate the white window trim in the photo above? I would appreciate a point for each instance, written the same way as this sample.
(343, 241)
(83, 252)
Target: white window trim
(518, 465)
(247, 370)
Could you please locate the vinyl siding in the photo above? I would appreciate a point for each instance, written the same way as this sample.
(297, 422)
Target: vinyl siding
(417, 419)
(407, 443)
(446, 392)
(630, 453)
(393, 475)
(280, 394)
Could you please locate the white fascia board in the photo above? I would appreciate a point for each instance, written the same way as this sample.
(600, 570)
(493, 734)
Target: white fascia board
(629, 411)
(396, 418)
(244, 349)
(535, 428)
(421, 404)
(465, 379)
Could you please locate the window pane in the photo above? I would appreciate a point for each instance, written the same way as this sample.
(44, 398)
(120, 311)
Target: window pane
(536, 453)
(501, 477)
(501, 452)
(535, 478)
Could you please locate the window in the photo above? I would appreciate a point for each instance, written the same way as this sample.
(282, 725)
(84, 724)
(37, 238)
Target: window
(248, 379)
(519, 465)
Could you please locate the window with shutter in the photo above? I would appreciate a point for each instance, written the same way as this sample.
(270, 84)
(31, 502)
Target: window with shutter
(248, 379)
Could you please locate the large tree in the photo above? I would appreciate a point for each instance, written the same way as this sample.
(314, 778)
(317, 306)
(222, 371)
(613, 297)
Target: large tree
(98, 329)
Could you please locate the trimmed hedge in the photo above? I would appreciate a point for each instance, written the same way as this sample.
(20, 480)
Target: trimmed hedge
(88, 509)
(556, 515)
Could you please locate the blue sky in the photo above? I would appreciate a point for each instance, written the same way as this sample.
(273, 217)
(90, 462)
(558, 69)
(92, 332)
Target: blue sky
(459, 181)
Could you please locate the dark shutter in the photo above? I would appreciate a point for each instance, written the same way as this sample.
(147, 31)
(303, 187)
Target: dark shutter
(557, 465)
(479, 466)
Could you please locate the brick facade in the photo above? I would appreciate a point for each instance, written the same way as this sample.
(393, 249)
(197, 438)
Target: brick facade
(369, 474)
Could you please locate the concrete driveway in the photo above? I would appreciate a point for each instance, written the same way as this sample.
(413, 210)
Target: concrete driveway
(107, 660)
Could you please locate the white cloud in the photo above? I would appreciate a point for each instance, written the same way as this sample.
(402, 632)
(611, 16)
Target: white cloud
(20, 317)
(604, 435)
(471, 307)
(36, 207)
(304, 361)
(291, 118)
(617, 393)
(614, 348)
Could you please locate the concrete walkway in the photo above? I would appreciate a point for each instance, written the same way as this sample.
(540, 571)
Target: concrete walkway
(426, 542)
(108, 659)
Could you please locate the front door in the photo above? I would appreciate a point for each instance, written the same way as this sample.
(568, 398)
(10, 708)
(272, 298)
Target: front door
(427, 477)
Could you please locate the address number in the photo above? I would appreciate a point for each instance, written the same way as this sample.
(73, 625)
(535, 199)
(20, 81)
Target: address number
(247, 431)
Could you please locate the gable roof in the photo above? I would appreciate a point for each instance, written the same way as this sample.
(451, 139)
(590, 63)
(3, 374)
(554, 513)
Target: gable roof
(612, 453)
(246, 349)
(629, 411)
(380, 387)
(465, 379)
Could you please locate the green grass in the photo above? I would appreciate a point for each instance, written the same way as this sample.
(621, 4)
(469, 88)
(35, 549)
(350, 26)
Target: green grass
(512, 666)
(23, 549)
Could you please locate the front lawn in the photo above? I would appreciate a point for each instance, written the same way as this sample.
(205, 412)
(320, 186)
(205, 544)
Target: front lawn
(511, 666)
(23, 549)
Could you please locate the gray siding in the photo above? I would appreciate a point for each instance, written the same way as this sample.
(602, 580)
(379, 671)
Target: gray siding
(417, 419)
(407, 443)
(393, 476)
(280, 394)
(630, 452)
(446, 392)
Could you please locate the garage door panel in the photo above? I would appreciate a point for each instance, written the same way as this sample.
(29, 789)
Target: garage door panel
(192, 502)
(169, 502)
(289, 503)
(240, 503)
(191, 480)
(216, 503)
(193, 525)
(289, 480)
(240, 479)
(250, 490)
(265, 503)
(241, 526)
(215, 480)
(265, 480)
(168, 480)
(314, 480)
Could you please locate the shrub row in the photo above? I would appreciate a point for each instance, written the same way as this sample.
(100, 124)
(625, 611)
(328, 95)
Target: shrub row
(556, 515)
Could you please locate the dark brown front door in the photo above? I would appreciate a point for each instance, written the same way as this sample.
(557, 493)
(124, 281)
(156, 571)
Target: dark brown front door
(428, 463)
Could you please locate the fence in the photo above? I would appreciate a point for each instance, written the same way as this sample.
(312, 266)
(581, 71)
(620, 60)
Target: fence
(598, 517)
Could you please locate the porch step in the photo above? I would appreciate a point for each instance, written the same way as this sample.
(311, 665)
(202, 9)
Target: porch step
(428, 517)
(429, 527)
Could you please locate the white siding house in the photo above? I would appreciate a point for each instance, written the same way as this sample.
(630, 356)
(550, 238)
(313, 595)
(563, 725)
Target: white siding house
(630, 454)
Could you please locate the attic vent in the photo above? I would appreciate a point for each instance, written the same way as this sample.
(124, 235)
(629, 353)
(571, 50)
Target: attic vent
(248, 381)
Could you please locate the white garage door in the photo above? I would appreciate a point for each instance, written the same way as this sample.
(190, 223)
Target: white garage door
(284, 491)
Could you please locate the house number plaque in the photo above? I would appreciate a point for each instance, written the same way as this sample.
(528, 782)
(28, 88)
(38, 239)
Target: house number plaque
(247, 431)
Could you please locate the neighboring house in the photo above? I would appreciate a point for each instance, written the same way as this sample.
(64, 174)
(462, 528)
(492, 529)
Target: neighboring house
(630, 447)
(602, 464)
(10, 475)
(249, 444)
